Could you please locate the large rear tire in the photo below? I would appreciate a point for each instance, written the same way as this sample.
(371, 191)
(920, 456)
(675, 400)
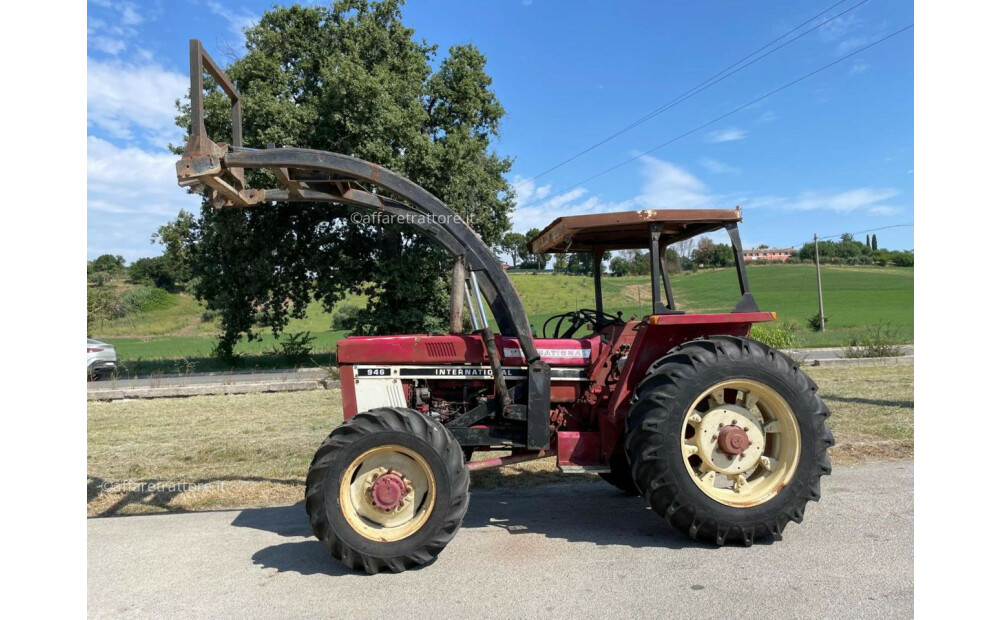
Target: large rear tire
(727, 440)
(387, 490)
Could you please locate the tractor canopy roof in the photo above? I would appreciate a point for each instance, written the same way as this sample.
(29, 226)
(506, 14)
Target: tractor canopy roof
(628, 230)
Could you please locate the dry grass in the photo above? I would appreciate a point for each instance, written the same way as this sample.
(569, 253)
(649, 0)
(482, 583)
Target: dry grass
(211, 452)
(872, 411)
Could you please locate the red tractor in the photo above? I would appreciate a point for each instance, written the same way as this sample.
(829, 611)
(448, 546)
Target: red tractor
(723, 436)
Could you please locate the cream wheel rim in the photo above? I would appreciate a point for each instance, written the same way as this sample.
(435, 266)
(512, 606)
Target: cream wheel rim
(741, 442)
(387, 493)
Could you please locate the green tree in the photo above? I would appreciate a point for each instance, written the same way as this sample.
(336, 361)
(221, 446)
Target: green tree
(513, 244)
(108, 263)
(541, 259)
(349, 78)
(874, 243)
(619, 266)
(711, 254)
(176, 237)
(158, 271)
(583, 262)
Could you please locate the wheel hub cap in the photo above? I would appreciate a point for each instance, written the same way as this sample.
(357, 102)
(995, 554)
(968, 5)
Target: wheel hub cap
(733, 440)
(387, 493)
(388, 490)
(741, 442)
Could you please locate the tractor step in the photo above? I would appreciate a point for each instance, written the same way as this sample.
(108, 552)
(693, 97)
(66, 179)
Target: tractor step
(584, 469)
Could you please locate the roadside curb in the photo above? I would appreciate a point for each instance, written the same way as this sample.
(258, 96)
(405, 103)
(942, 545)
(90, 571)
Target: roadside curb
(298, 385)
(207, 390)
(861, 361)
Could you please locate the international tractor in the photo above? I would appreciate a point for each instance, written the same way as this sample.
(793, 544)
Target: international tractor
(723, 436)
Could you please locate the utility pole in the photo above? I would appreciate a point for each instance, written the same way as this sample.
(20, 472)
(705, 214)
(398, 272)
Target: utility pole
(819, 284)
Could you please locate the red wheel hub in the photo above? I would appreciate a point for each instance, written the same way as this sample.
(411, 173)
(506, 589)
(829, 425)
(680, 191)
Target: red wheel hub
(733, 440)
(388, 491)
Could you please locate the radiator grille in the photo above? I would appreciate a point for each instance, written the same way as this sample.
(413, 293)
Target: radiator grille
(440, 349)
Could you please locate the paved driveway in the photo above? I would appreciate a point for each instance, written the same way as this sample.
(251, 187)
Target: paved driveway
(578, 550)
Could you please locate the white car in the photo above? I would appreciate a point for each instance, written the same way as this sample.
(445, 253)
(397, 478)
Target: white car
(101, 360)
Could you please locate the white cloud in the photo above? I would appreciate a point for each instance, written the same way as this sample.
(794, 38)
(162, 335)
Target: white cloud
(130, 15)
(238, 19)
(664, 186)
(107, 45)
(848, 32)
(859, 67)
(717, 167)
(528, 191)
(108, 37)
(125, 98)
(884, 210)
(131, 180)
(767, 117)
(130, 192)
(727, 135)
(840, 27)
(869, 199)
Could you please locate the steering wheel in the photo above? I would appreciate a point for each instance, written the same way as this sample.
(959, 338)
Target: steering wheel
(577, 319)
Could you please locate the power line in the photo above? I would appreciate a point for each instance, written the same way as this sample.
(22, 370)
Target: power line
(726, 115)
(708, 83)
(860, 232)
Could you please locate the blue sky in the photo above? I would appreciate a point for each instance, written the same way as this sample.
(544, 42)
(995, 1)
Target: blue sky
(831, 154)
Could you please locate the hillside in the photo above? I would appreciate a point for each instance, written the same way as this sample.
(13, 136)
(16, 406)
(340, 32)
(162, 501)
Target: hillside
(853, 297)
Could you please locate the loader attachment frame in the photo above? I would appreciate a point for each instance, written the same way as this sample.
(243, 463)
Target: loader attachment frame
(306, 175)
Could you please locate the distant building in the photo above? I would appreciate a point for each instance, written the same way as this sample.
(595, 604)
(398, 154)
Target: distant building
(771, 254)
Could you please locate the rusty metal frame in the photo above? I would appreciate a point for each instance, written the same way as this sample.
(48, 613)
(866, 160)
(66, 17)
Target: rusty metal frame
(306, 175)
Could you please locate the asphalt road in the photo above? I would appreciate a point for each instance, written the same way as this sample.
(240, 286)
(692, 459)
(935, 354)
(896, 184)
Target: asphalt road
(578, 550)
(277, 376)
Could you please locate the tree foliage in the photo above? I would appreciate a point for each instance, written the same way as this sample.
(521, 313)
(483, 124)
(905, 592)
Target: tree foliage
(541, 260)
(176, 238)
(636, 262)
(711, 254)
(513, 244)
(157, 271)
(583, 262)
(850, 252)
(109, 263)
(348, 78)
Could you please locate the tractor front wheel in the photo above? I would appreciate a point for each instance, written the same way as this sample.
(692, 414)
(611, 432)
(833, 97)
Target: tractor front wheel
(727, 440)
(387, 490)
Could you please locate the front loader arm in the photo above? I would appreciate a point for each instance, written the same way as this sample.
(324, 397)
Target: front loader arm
(307, 175)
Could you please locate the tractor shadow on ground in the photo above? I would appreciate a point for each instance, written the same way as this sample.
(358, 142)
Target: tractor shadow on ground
(906, 404)
(578, 512)
(306, 557)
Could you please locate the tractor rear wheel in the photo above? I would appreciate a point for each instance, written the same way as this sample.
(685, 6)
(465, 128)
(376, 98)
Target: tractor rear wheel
(727, 440)
(387, 490)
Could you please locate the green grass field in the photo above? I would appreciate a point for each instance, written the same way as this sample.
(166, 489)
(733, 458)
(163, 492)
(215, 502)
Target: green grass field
(175, 339)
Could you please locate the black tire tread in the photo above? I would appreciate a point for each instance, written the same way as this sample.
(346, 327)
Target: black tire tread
(377, 421)
(658, 484)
